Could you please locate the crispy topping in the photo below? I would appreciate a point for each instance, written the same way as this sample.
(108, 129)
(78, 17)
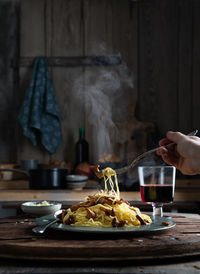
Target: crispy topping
(90, 213)
(165, 223)
(105, 200)
(122, 201)
(64, 212)
(108, 212)
(75, 207)
(70, 220)
(96, 170)
(116, 223)
(142, 221)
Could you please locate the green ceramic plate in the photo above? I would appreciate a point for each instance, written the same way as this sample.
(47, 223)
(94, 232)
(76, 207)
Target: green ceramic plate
(156, 225)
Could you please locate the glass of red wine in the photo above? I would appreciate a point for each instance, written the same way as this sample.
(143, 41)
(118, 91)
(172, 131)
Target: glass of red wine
(157, 185)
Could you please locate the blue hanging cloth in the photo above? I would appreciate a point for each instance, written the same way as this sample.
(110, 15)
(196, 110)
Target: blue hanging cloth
(39, 115)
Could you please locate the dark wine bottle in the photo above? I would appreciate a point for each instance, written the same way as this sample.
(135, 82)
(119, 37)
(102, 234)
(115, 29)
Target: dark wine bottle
(82, 148)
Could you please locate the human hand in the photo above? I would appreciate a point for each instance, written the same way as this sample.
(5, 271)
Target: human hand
(184, 155)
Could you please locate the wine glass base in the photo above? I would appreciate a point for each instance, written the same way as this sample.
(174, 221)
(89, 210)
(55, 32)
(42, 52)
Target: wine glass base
(157, 210)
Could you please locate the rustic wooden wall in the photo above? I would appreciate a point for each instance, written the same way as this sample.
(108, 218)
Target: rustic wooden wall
(158, 42)
(81, 28)
(9, 48)
(169, 87)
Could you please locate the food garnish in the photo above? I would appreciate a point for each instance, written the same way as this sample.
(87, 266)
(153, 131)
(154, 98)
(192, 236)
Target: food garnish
(42, 203)
(165, 223)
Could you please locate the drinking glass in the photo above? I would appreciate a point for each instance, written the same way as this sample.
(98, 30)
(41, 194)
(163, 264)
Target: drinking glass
(157, 184)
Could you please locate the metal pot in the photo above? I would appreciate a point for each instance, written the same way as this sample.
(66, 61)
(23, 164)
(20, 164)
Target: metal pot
(44, 178)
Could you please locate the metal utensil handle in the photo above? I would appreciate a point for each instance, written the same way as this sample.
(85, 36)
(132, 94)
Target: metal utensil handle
(193, 133)
(41, 229)
(15, 170)
(140, 157)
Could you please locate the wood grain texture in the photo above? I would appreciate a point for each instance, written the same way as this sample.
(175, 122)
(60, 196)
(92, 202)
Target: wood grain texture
(185, 52)
(19, 242)
(67, 40)
(158, 63)
(32, 40)
(158, 42)
(9, 47)
(196, 65)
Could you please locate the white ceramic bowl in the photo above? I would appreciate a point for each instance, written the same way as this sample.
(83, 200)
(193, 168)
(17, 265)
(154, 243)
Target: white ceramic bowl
(40, 207)
(76, 182)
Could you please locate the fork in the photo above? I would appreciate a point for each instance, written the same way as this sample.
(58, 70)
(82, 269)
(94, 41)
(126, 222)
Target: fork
(140, 157)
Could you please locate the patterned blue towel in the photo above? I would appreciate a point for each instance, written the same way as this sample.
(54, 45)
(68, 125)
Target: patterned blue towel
(39, 115)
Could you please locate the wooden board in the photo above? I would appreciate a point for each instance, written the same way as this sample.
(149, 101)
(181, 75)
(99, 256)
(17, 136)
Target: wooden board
(18, 241)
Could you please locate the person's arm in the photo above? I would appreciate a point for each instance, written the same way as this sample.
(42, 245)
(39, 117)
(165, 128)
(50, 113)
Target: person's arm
(185, 155)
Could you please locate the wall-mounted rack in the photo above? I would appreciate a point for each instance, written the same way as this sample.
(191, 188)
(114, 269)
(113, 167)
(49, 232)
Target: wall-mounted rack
(71, 61)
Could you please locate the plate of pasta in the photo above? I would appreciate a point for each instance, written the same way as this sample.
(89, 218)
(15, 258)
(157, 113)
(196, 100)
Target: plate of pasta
(106, 212)
(161, 223)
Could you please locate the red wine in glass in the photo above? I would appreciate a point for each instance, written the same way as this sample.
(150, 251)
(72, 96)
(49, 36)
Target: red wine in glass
(157, 193)
(157, 184)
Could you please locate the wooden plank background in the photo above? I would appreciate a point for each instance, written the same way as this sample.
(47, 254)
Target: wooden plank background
(158, 42)
(9, 48)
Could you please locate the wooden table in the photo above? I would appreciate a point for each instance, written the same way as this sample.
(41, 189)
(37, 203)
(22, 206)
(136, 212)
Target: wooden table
(179, 246)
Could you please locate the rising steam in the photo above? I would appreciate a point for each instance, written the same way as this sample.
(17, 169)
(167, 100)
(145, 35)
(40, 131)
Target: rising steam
(104, 93)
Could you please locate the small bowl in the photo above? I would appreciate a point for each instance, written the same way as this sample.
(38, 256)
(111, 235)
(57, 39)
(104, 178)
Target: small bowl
(6, 175)
(76, 182)
(40, 207)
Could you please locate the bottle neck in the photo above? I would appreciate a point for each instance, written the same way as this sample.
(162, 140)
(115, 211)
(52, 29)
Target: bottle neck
(81, 133)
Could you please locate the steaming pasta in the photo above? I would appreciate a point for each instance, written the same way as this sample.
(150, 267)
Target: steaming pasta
(105, 208)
